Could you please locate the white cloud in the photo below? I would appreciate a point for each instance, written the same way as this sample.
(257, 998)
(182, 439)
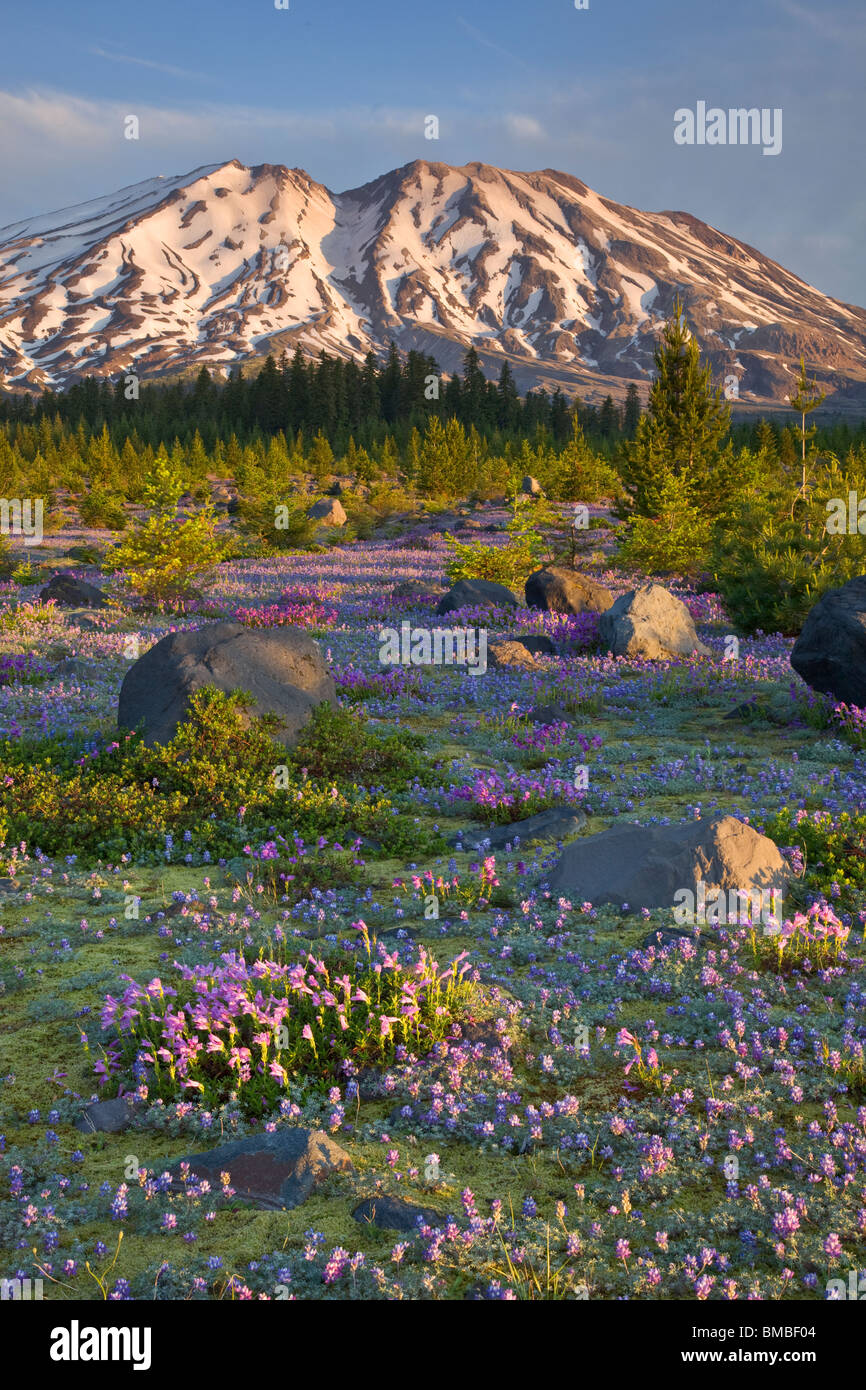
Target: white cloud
(524, 127)
(146, 63)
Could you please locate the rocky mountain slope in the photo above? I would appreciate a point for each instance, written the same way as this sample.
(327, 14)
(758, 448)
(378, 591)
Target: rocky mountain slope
(230, 262)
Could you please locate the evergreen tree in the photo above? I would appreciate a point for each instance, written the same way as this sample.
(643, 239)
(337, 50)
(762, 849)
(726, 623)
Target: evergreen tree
(631, 412)
(474, 389)
(508, 401)
(608, 418)
(684, 432)
(805, 399)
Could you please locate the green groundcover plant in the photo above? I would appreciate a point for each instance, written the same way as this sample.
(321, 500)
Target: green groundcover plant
(244, 1031)
(220, 781)
(510, 564)
(831, 849)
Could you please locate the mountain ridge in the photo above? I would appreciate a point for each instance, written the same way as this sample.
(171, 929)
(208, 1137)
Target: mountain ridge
(230, 261)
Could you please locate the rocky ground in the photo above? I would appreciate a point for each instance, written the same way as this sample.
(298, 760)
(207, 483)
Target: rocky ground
(611, 1115)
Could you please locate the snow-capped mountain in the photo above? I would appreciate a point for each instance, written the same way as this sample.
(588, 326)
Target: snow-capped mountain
(230, 262)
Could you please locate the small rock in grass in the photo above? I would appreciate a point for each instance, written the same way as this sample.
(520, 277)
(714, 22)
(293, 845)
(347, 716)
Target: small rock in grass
(476, 593)
(273, 1172)
(69, 592)
(106, 1116)
(393, 1214)
(510, 655)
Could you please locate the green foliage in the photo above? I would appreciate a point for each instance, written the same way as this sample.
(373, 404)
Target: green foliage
(777, 557)
(676, 538)
(26, 574)
(683, 436)
(510, 564)
(833, 849)
(275, 517)
(806, 398)
(86, 554)
(291, 871)
(215, 782)
(165, 552)
(102, 508)
(579, 474)
(335, 746)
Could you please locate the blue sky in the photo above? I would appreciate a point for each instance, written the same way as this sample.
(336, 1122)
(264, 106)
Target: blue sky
(341, 88)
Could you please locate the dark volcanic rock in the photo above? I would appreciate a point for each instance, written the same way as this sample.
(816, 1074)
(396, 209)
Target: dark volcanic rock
(272, 1171)
(557, 590)
(538, 645)
(476, 593)
(552, 824)
(69, 592)
(393, 1214)
(647, 865)
(282, 668)
(830, 653)
(106, 1116)
(550, 714)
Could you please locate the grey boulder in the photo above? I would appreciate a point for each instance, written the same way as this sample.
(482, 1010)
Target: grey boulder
(646, 866)
(329, 511)
(649, 623)
(554, 589)
(830, 653)
(282, 668)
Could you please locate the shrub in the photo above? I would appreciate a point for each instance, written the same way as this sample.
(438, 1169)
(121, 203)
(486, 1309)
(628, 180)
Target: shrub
(211, 788)
(102, 509)
(832, 849)
(675, 539)
(773, 563)
(165, 553)
(248, 1030)
(25, 574)
(268, 511)
(335, 746)
(509, 564)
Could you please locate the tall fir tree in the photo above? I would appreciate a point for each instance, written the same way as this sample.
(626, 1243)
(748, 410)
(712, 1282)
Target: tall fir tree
(684, 434)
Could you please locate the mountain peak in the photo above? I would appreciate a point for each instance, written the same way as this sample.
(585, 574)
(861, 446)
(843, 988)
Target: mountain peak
(231, 261)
